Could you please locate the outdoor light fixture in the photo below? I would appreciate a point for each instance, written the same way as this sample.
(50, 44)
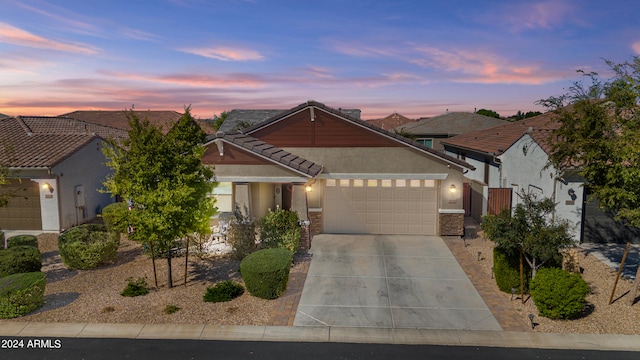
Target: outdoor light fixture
(479, 254)
(572, 194)
(308, 188)
(47, 186)
(513, 292)
(533, 325)
(452, 188)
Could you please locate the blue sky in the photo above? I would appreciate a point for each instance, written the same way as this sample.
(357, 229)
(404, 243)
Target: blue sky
(419, 58)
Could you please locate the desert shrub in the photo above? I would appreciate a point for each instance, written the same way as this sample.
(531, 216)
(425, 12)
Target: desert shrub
(19, 259)
(558, 294)
(21, 294)
(242, 234)
(29, 240)
(135, 287)
(506, 269)
(266, 272)
(87, 246)
(170, 309)
(223, 291)
(280, 229)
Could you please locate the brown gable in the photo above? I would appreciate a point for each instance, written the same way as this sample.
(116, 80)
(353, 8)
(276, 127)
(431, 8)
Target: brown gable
(313, 127)
(232, 155)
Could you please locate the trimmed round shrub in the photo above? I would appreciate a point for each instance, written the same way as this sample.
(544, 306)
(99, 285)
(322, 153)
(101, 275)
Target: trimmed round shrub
(19, 259)
(266, 272)
(30, 240)
(559, 294)
(506, 269)
(223, 291)
(87, 246)
(21, 294)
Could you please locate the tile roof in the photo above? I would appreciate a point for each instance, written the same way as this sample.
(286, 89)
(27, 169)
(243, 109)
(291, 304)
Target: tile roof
(453, 123)
(271, 152)
(498, 139)
(392, 121)
(45, 141)
(118, 118)
(362, 123)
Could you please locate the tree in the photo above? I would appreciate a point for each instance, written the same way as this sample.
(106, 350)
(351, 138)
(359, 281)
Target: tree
(521, 116)
(218, 120)
(489, 113)
(598, 136)
(163, 178)
(531, 231)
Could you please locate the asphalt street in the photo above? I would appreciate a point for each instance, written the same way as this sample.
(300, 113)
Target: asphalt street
(107, 349)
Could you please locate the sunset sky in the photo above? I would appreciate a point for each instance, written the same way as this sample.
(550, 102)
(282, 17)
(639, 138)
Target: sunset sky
(418, 58)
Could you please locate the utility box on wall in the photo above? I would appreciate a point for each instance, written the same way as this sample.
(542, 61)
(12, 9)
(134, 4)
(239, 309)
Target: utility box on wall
(78, 191)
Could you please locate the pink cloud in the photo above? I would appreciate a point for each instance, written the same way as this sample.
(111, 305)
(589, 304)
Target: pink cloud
(482, 67)
(636, 47)
(237, 80)
(226, 53)
(12, 35)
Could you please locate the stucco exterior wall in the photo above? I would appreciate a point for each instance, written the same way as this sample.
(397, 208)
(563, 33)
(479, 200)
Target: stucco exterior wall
(86, 167)
(239, 172)
(372, 160)
(523, 166)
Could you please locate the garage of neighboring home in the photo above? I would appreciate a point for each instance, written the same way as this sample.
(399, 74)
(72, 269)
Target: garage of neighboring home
(23, 211)
(371, 181)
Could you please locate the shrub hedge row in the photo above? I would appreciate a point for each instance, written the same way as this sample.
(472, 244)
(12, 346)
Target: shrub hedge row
(21, 294)
(18, 240)
(266, 272)
(87, 246)
(506, 269)
(19, 259)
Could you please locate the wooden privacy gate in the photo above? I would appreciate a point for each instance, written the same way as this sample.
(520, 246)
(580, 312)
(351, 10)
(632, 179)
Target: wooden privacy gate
(499, 199)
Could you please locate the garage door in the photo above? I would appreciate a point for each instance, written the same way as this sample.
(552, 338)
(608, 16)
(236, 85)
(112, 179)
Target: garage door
(370, 206)
(23, 211)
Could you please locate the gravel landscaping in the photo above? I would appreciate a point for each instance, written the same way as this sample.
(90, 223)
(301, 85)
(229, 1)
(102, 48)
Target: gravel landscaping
(94, 295)
(599, 317)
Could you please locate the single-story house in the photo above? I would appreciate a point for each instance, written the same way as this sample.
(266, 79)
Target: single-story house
(56, 167)
(513, 158)
(432, 131)
(339, 173)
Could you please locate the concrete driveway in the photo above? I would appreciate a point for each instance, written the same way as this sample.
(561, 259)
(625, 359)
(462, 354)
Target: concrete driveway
(389, 281)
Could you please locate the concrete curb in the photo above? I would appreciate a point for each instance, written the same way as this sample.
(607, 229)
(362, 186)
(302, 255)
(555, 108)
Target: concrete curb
(508, 339)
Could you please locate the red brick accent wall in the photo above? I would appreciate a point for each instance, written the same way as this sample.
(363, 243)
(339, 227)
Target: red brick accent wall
(451, 224)
(305, 243)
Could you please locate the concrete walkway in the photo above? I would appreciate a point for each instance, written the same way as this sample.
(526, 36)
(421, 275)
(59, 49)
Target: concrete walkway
(389, 281)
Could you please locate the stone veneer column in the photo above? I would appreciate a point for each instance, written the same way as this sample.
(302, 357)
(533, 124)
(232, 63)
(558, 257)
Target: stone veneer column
(451, 222)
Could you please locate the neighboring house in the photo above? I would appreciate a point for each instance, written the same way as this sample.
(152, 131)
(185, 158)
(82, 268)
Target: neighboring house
(513, 158)
(56, 167)
(118, 118)
(342, 174)
(392, 121)
(432, 131)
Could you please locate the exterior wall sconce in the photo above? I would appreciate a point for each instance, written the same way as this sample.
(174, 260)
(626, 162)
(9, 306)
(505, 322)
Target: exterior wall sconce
(453, 189)
(308, 188)
(572, 194)
(47, 186)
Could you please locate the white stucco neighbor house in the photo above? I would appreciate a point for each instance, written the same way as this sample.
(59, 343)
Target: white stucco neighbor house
(515, 157)
(56, 168)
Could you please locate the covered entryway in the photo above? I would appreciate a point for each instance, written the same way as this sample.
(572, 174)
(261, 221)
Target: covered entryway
(23, 211)
(374, 206)
(389, 281)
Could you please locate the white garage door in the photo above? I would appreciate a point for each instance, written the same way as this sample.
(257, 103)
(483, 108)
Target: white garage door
(380, 206)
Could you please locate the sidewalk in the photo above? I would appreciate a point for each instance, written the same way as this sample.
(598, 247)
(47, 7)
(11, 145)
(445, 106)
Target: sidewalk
(508, 339)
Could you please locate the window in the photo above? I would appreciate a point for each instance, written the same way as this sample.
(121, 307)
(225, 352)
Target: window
(385, 183)
(401, 183)
(372, 183)
(415, 183)
(344, 182)
(331, 182)
(426, 142)
(223, 193)
(358, 183)
(429, 183)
